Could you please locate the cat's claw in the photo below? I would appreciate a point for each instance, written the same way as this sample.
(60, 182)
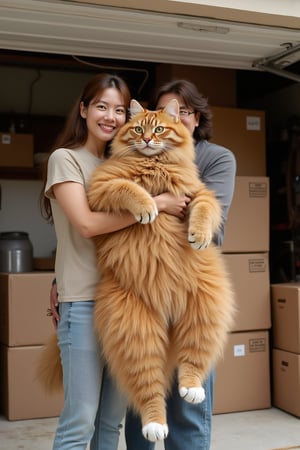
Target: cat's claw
(199, 244)
(154, 431)
(147, 217)
(193, 394)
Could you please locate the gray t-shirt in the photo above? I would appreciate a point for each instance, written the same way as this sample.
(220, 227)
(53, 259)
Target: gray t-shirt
(75, 263)
(217, 169)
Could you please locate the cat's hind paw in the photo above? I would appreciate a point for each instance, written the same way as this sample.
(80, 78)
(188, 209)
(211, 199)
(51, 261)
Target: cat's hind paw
(193, 394)
(154, 431)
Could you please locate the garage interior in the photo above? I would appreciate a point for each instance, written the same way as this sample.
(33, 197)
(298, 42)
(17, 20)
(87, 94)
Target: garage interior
(47, 54)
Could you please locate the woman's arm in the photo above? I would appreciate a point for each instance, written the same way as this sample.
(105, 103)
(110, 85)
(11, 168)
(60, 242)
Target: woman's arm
(72, 198)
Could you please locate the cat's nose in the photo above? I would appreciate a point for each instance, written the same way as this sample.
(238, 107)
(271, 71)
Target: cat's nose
(146, 139)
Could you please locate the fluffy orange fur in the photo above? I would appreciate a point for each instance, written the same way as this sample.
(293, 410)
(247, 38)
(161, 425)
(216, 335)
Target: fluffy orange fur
(165, 300)
(49, 369)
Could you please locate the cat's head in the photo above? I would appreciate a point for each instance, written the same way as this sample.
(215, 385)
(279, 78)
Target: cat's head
(154, 132)
(172, 108)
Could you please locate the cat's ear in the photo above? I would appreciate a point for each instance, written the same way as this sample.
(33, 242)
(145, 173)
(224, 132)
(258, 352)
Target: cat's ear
(172, 108)
(135, 108)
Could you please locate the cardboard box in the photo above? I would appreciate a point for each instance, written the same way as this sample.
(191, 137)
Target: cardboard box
(243, 375)
(243, 132)
(249, 273)
(285, 307)
(247, 227)
(24, 299)
(286, 381)
(22, 396)
(16, 150)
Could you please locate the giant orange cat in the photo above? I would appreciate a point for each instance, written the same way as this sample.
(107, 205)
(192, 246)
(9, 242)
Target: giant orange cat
(164, 304)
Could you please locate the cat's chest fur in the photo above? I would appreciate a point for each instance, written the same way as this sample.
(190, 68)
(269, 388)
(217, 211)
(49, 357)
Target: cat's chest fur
(153, 175)
(159, 174)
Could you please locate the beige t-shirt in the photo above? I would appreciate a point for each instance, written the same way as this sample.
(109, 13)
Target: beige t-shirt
(75, 263)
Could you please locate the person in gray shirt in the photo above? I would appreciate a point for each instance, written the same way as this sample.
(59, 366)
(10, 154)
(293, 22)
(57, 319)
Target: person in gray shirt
(190, 424)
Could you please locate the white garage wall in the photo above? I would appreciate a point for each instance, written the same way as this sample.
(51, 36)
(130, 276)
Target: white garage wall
(20, 212)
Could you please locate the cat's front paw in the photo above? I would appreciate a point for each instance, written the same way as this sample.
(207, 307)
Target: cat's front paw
(154, 431)
(199, 241)
(192, 394)
(147, 215)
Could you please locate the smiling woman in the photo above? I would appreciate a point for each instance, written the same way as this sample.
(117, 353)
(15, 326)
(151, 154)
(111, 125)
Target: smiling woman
(90, 396)
(103, 116)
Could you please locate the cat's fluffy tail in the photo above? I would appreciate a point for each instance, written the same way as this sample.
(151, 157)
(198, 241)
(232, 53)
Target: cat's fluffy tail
(49, 369)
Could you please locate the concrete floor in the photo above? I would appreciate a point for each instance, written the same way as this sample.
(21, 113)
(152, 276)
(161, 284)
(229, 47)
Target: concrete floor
(267, 429)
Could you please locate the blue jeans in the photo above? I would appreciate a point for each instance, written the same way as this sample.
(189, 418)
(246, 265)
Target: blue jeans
(93, 407)
(189, 425)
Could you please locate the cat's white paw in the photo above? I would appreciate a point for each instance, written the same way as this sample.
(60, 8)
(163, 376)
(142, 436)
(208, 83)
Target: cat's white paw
(154, 431)
(147, 216)
(193, 394)
(198, 243)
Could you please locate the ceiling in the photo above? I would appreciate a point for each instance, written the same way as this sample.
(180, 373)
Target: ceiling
(284, 13)
(100, 31)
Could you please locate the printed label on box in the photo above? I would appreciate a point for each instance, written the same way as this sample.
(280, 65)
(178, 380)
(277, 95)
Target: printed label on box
(257, 189)
(257, 265)
(239, 350)
(281, 302)
(257, 345)
(253, 123)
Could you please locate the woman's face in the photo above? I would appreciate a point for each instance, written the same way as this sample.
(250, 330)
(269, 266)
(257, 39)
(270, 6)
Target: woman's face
(104, 116)
(191, 121)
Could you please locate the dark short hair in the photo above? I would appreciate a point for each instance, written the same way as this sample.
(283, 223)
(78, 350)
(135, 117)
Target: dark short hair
(193, 99)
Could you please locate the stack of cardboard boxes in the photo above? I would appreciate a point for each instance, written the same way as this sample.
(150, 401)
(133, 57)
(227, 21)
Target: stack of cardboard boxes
(286, 346)
(243, 374)
(24, 329)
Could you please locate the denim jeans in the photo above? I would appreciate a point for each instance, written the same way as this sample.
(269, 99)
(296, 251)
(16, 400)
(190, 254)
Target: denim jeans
(93, 407)
(189, 425)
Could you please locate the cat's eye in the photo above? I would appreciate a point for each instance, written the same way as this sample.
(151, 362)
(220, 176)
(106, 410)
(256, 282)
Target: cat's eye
(159, 129)
(138, 129)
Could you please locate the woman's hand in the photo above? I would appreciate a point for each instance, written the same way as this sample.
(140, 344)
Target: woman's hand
(170, 204)
(53, 310)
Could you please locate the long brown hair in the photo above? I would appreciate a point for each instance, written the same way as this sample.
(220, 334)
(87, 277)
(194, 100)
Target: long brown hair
(193, 99)
(75, 132)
